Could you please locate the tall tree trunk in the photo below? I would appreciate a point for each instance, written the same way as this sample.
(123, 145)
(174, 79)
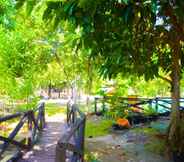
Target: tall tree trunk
(49, 89)
(90, 81)
(176, 131)
(59, 93)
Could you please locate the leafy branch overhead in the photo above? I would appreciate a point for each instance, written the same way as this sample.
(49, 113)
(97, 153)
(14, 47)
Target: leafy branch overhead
(127, 35)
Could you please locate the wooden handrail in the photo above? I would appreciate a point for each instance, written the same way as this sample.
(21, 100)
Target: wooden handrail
(9, 117)
(11, 141)
(76, 122)
(35, 124)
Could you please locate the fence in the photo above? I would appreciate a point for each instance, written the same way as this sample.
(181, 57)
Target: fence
(35, 121)
(70, 146)
(158, 102)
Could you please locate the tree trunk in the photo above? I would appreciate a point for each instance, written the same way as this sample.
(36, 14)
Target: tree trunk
(49, 89)
(176, 132)
(59, 94)
(90, 82)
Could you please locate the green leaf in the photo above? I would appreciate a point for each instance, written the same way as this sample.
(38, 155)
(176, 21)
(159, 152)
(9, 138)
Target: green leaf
(29, 6)
(154, 6)
(124, 1)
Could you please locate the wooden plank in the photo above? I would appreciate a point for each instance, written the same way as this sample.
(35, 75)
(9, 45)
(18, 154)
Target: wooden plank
(13, 134)
(14, 142)
(32, 123)
(16, 156)
(9, 117)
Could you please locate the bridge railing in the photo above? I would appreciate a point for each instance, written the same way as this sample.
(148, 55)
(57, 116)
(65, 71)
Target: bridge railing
(34, 120)
(70, 146)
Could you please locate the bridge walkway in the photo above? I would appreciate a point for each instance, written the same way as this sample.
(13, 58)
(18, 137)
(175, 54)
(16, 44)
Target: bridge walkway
(44, 150)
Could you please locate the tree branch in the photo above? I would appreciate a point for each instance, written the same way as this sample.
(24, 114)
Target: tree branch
(62, 66)
(165, 79)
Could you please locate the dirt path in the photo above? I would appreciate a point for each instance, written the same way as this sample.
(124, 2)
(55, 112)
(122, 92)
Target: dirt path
(44, 150)
(119, 148)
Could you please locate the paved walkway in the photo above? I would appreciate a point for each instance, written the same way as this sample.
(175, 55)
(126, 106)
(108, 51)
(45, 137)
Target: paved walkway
(44, 150)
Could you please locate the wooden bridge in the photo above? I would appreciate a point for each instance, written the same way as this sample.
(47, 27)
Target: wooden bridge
(54, 140)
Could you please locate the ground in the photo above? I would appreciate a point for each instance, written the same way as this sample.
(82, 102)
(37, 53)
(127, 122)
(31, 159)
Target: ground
(141, 144)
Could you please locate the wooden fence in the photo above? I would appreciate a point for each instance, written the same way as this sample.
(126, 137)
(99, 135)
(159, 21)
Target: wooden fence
(164, 102)
(35, 121)
(70, 146)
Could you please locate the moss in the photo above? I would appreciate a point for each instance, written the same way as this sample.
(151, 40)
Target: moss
(100, 128)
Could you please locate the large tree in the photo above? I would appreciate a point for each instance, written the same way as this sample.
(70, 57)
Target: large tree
(22, 59)
(136, 37)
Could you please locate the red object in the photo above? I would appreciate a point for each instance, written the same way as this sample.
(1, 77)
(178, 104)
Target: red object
(123, 122)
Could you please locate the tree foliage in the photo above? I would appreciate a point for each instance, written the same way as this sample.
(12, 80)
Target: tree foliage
(127, 37)
(7, 11)
(22, 59)
(125, 34)
(136, 37)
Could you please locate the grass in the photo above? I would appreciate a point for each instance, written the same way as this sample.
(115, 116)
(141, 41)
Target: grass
(100, 128)
(53, 109)
(50, 108)
(21, 107)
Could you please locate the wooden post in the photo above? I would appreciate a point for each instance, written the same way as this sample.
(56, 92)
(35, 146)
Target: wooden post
(42, 115)
(43, 109)
(76, 134)
(30, 126)
(156, 104)
(67, 113)
(103, 104)
(82, 139)
(60, 154)
(150, 103)
(95, 105)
